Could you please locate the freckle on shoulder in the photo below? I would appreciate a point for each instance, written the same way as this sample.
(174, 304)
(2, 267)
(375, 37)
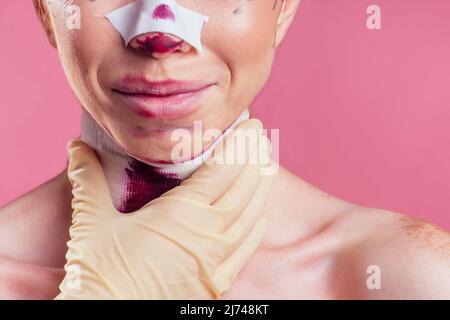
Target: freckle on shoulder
(420, 228)
(426, 235)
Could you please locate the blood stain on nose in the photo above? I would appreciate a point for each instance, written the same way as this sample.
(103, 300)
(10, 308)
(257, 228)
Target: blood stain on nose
(164, 12)
(158, 42)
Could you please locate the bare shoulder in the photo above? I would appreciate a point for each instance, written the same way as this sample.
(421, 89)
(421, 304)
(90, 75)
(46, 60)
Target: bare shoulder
(34, 230)
(357, 246)
(392, 256)
(19, 280)
(31, 224)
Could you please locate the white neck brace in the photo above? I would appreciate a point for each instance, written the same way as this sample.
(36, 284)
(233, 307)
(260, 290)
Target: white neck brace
(133, 183)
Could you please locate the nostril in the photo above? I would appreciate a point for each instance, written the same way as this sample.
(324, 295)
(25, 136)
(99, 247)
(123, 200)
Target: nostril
(158, 43)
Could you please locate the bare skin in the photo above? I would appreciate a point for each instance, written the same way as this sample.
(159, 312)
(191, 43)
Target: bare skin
(317, 247)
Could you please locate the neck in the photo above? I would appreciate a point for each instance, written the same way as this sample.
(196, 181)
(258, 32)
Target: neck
(133, 183)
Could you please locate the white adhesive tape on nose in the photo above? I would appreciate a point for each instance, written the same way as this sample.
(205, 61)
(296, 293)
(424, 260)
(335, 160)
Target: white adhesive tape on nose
(165, 16)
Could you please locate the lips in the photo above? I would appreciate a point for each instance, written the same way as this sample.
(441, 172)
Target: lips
(166, 99)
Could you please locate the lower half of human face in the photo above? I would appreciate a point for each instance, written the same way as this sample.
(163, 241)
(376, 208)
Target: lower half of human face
(235, 63)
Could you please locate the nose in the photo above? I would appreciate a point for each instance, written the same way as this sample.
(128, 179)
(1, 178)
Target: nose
(159, 44)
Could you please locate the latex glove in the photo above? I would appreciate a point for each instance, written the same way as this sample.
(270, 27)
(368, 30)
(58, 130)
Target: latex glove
(190, 243)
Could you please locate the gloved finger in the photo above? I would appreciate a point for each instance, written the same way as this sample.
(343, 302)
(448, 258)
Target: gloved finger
(214, 219)
(219, 248)
(230, 206)
(240, 228)
(214, 177)
(243, 189)
(89, 185)
(227, 272)
(231, 217)
(218, 217)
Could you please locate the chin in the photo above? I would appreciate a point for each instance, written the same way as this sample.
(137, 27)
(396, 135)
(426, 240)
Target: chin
(159, 150)
(160, 133)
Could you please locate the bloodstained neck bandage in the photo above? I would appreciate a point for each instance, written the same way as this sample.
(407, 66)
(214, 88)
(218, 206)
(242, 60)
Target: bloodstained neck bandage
(133, 183)
(164, 16)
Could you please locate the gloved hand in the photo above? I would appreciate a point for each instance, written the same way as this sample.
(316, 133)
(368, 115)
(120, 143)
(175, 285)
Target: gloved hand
(190, 243)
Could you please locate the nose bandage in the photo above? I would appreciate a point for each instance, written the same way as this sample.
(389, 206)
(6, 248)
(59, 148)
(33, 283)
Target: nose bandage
(165, 16)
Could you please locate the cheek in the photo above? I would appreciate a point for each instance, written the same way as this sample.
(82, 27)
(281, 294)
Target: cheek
(83, 50)
(93, 36)
(242, 36)
(244, 43)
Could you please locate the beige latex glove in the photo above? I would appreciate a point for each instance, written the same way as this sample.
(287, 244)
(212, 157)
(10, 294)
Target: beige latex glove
(190, 243)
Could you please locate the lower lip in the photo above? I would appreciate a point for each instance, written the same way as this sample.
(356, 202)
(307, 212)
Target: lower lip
(163, 107)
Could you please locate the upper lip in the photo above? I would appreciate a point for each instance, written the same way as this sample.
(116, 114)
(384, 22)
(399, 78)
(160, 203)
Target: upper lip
(168, 87)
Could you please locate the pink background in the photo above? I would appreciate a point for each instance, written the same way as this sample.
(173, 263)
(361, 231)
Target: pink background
(364, 115)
